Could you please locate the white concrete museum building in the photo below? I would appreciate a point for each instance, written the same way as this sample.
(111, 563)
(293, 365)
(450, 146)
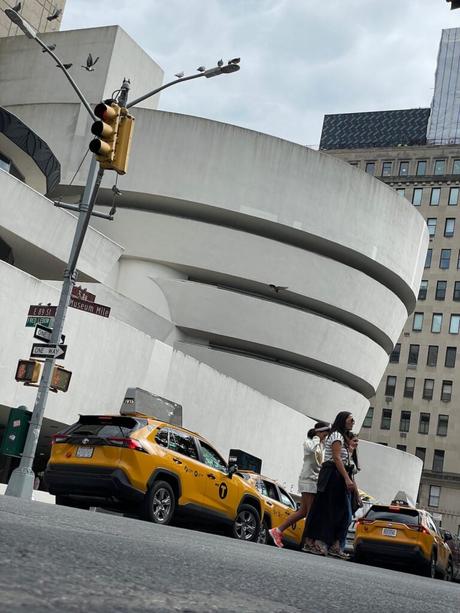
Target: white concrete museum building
(260, 284)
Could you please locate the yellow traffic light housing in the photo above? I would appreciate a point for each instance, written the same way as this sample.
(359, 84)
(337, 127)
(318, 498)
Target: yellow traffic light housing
(123, 144)
(60, 379)
(28, 371)
(106, 129)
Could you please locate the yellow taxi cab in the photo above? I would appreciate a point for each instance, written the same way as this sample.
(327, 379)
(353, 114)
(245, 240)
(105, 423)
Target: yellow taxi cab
(278, 506)
(401, 534)
(137, 464)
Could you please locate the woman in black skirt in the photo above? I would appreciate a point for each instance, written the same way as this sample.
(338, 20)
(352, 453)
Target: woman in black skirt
(329, 511)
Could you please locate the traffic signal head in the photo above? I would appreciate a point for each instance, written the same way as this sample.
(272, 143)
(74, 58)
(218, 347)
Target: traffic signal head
(28, 371)
(106, 129)
(60, 379)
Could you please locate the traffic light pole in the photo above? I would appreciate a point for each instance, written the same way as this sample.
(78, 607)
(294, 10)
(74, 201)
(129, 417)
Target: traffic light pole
(21, 482)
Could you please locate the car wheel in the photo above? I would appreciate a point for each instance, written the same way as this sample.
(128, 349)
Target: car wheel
(66, 501)
(160, 503)
(262, 539)
(449, 574)
(247, 523)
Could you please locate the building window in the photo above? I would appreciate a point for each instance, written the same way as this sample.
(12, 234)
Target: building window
(404, 422)
(428, 257)
(451, 356)
(443, 425)
(453, 196)
(423, 290)
(386, 169)
(446, 391)
(401, 192)
(444, 259)
(420, 452)
(458, 259)
(403, 169)
(432, 355)
(428, 387)
(435, 195)
(435, 494)
(417, 322)
(386, 419)
(449, 227)
(421, 168)
(454, 324)
(456, 167)
(439, 167)
(390, 385)
(431, 223)
(424, 423)
(441, 287)
(370, 168)
(401, 447)
(413, 354)
(417, 196)
(456, 294)
(367, 423)
(394, 355)
(409, 386)
(438, 460)
(436, 323)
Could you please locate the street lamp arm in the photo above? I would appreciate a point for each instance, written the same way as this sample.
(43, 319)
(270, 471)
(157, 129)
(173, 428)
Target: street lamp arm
(159, 89)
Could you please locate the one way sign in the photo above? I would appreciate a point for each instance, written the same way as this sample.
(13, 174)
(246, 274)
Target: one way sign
(48, 351)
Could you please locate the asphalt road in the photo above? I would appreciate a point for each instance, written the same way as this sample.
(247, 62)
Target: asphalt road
(67, 560)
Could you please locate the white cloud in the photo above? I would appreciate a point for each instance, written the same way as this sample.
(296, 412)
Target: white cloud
(300, 59)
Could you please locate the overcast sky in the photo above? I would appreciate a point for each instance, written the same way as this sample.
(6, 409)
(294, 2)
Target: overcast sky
(300, 59)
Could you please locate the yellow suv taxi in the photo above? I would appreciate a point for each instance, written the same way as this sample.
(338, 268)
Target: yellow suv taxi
(137, 464)
(401, 534)
(278, 506)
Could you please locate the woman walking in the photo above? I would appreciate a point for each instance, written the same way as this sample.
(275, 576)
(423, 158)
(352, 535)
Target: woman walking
(330, 509)
(313, 450)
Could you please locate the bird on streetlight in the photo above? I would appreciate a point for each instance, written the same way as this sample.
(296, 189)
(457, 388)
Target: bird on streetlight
(277, 288)
(66, 66)
(236, 60)
(220, 63)
(201, 68)
(18, 7)
(90, 63)
(179, 75)
(55, 15)
(49, 48)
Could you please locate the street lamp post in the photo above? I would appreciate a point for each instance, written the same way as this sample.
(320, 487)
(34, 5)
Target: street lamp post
(21, 481)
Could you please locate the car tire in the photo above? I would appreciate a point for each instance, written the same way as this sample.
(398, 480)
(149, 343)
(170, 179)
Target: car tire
(160, 503)
(67, 501)
(263, 539)
(246, 525)
(449, 574)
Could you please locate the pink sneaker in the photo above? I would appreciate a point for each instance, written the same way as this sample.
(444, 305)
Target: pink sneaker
(277, 537)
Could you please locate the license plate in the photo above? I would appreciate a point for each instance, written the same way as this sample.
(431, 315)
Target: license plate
(85, 452)
(389, 532)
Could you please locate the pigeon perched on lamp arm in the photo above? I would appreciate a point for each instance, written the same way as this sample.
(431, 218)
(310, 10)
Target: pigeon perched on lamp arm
(49, 48)
(55, 15)
(18, 7)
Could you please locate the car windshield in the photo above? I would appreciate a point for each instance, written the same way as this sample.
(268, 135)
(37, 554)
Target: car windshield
(409, 517)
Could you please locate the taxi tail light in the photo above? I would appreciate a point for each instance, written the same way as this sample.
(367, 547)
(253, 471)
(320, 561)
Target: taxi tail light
(128, 443)
(59, 438)
(364, 521)
(421, 529)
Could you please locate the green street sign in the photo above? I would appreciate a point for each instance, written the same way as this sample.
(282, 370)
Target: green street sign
(44, 321)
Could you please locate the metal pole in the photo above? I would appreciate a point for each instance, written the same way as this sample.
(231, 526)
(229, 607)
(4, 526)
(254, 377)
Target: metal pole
(22, 478)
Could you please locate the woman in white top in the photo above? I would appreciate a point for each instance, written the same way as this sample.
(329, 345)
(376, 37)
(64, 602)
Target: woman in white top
(312, 459)
(330, 508)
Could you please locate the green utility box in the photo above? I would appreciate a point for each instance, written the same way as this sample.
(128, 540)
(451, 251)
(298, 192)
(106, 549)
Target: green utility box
(15, 434)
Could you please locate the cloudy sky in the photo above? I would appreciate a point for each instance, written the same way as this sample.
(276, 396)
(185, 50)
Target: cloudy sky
(300, 59)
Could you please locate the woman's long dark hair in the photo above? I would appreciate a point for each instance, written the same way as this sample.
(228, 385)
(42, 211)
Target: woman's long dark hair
(339, 424)
(319, 424)
(354, 453)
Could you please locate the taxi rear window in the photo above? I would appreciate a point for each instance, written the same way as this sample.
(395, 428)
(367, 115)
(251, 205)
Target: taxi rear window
(410, 517)
(105, 427)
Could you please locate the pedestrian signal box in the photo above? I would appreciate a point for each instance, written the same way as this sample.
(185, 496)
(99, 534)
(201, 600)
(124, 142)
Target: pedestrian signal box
(28, 371)
(61, 379)
(15, 433)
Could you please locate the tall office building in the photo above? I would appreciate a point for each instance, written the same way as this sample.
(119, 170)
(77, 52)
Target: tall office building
(36, 13)
(417, 153)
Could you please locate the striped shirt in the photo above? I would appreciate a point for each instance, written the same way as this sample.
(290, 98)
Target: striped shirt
(332, 438)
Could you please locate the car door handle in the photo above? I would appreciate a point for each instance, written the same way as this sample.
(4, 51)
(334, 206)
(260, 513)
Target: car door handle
(211, 476)
(177, 461)
(269, 504)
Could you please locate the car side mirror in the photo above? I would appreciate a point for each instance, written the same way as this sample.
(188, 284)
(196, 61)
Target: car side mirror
(232, 469)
